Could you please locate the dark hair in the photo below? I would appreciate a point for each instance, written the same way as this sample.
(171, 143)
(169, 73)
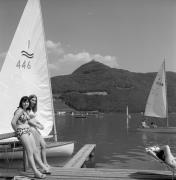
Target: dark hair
(34, 109)
(160, 155)
(22, 100)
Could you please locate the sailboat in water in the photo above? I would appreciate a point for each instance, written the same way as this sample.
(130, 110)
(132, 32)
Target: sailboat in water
(25, 72)
(157, 105)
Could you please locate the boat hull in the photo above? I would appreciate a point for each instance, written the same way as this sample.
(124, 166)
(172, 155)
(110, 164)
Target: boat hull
(80, 116)
(158, 130)
(54, 149)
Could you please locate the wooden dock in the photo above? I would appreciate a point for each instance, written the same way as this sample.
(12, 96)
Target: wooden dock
(83, 155)
(73, 171)
(94, 174)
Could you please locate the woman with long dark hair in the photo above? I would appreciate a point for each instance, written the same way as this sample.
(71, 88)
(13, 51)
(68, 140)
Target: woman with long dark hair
(23, 132)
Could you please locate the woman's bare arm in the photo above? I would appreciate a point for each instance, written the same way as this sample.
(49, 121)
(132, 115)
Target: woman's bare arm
(16, 116)
(33, 122)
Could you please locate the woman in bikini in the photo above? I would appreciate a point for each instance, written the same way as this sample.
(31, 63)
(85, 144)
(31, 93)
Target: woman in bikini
(35, 125)
(23, 132)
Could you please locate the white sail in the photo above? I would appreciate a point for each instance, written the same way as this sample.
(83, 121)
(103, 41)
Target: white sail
(157, 103)
(25, 72)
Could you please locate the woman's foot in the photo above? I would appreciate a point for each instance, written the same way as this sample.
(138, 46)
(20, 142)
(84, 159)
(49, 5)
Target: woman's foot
(40, 175)
(46, 170)
(48, 166)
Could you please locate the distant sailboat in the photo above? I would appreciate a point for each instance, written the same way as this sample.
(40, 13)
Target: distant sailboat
(25, 72)
(156, 105)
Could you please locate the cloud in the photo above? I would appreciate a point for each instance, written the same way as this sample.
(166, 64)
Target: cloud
(54, 48)
(62, 63)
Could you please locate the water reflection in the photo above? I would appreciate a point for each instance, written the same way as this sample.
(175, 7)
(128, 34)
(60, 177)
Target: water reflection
(159, 139)
(116, 147)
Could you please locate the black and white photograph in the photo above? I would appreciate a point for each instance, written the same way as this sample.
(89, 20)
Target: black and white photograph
(87, 89)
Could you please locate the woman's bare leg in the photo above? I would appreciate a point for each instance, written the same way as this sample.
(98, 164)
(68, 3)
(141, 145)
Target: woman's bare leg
(27, 145)
(43, 151)
(37, 155)
(41, 145)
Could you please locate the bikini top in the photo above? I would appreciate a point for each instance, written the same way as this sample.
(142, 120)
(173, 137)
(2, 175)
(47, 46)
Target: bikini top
(23, 118)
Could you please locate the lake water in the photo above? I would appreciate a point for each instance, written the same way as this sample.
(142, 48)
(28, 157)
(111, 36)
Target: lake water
(116, 147)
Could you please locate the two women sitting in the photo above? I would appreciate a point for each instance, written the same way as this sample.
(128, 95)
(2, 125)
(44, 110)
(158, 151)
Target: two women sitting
(20, 124)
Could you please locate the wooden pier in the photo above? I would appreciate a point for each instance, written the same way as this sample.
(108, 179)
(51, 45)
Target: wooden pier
(73, 171)
(83, 155)
(92, 174)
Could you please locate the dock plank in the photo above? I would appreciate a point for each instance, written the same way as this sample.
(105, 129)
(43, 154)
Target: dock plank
(104, 174)
(81, 156)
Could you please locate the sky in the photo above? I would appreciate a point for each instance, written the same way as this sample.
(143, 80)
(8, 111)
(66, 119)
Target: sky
(134, 35)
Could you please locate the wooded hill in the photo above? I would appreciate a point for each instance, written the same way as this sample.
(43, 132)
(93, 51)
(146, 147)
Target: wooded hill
(95, 86)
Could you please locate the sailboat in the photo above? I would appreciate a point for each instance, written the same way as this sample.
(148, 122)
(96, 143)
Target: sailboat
(157, 105)
(25, 72)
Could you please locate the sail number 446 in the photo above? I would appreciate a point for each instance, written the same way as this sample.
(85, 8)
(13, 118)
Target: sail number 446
(23, 64)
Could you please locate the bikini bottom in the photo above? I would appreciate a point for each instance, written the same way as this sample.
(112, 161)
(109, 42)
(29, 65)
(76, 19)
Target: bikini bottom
(21, 131)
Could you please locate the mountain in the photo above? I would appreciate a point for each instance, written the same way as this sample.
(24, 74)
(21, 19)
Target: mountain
(95, 86)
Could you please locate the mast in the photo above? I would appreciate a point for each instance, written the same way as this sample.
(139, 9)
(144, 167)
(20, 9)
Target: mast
(127, 116)
(167, 119)
(54, 122)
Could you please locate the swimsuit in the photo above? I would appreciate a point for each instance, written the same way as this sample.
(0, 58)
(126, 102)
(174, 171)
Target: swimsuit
(20, 131)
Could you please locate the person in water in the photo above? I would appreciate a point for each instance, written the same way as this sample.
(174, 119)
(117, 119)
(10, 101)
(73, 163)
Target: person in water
(164, 153)
(21, 127)
(35, 125)
(144, 124)
(153, 125)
